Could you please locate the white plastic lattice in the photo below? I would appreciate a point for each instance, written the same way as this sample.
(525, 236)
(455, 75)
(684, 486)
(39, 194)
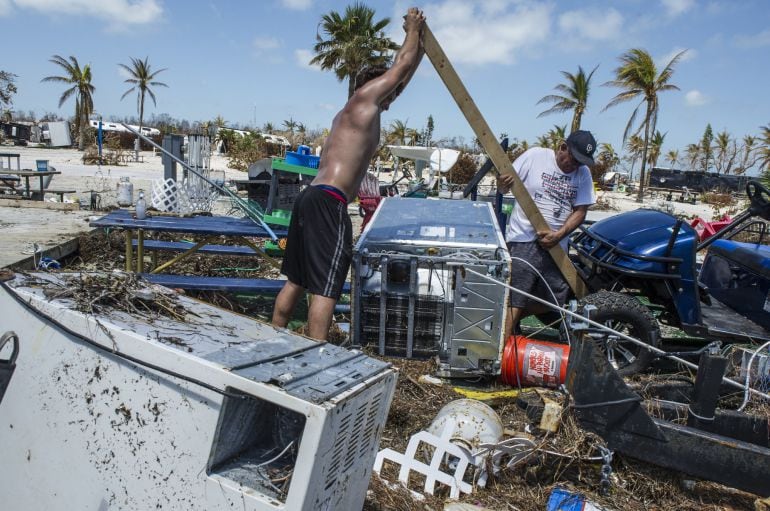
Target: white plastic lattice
(441, 446)
(170, 196)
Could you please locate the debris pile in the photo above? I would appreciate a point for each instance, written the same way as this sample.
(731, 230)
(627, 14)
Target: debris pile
(563, 456)
(98, 292)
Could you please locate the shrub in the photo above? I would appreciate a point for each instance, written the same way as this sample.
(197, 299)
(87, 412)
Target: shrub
(246, 150)
(464, 169)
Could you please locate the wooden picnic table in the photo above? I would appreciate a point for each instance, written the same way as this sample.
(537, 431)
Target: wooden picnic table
(29, 173)
(210, 227)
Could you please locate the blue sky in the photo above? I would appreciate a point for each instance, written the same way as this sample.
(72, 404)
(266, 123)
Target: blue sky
(247, 60)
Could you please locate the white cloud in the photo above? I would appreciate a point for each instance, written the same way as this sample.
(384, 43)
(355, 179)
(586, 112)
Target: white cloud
(303, 58)
(297, 5)
(265, 44)
(592, 25)
(676, 7)
(753, 40)
(5, 7)
(663, 61)
(119, 13)
(696, 98)
(326, 106)
(484, 33)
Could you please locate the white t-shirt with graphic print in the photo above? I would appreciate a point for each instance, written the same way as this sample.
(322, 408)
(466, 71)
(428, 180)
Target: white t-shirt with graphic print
(554, 192)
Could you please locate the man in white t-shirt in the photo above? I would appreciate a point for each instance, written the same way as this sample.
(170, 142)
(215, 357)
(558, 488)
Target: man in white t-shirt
(561, 186)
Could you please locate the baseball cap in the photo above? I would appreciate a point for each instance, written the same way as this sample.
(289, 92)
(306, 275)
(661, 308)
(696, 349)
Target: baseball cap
(581, 145)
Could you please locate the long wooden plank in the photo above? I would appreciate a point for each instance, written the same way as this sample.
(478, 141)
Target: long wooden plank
(492, 147)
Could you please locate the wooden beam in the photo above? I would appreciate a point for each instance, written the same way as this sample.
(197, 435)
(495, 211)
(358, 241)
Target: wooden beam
(496, 153)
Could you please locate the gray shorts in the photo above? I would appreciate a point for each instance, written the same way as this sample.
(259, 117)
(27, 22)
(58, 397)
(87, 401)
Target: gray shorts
(524, 278)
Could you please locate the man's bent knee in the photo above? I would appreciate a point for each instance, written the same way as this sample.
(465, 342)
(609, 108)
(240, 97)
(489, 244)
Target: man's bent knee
(285, 302)
(319, 316)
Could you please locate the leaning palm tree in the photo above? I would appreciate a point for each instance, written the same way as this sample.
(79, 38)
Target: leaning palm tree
(574, 96)
(80, 81)
(141, 79)
(638, 77)
(355, 41)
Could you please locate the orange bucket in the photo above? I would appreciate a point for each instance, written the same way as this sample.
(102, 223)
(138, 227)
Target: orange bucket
(530, 362)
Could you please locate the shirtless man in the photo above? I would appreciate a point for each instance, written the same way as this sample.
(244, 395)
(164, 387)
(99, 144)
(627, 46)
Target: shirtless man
(319, 245)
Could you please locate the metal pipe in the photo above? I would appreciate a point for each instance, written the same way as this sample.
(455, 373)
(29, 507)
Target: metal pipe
(244, 206)
(591, 322)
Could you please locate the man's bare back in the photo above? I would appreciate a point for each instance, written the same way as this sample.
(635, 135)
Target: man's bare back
(351, 143)
(355, 131)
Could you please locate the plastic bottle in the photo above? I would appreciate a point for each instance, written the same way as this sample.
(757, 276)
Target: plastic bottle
(141, 207)
(125, 192)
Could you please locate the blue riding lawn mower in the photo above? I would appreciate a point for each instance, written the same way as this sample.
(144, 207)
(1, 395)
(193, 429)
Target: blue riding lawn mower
(652, 254)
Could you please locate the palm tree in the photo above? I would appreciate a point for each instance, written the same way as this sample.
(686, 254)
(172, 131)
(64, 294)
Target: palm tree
(142, 78)
(749, 154)
(574, 96)
(726, 152)
(554, 137)
(656, 146)
(398, 133)
(638, 77)
(302, 130)
(80, 81)
(355, 41)
(634, 147)
(606, 161)
(693, 154)
(608, 155)
(290, 124)
(268, 128)
(414, 136)
(672, 157)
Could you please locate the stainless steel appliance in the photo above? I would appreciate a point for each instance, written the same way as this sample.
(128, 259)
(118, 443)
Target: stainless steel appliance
(411, 295)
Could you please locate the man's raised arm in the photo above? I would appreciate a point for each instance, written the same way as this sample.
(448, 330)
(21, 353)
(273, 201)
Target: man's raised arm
(405, 62)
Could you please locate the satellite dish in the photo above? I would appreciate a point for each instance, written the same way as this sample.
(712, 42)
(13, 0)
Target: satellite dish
(442, 160)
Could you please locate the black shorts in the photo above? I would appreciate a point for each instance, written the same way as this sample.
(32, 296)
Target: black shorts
(524, 277)
(319, 246)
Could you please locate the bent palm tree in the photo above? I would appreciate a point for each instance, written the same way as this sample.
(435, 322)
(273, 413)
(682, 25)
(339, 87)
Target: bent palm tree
(80, 81)
(142, 78)
(574, 96)
(355, 41)
(638, 77)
